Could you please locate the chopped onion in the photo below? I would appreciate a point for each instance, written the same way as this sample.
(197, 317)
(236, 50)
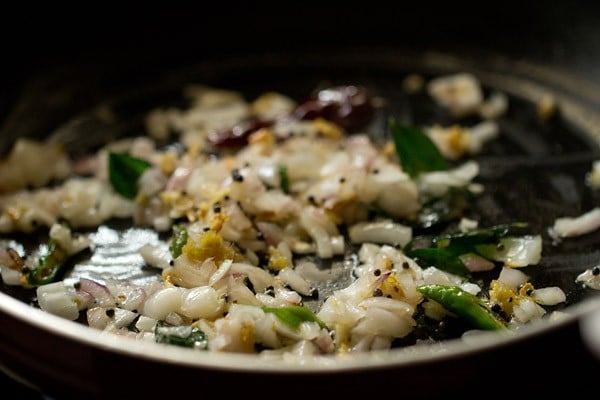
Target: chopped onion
(549, 296)
(570, 227)
(589, 278)
(164, 301)
(202, 302)
(56, 299)
(515, 251)
(476, 263)
(385, 231)
(156, 255)
(512, 277)
(295, 280)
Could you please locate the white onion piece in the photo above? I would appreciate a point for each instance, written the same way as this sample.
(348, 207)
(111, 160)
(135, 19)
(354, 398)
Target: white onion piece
(494, 106)
(476, 263)
(382, 322)
(123, 318)
(385, 231)
(593, 177)
(288, 296)
(549, 296)
(338, 245)
(470, 287)
(161, 303)
(396, 193)
(512, 277)
(64, 238)
(395, 306)
(152, 181)
(272, 233)
(589, 278)
(156, 255)
(97, 318)
(56, 299)
(202, 302)
(437, 183)
(337, 311)
(145, 324)
(467, 224)
(295, 280)
(270, 301)
(130, 297)
(264, 332)
(515, 251)
(10, 276)
(178, 178)
(309, 330)
(317, 232)
(228, 331)
(240, 294)
(435, 276)
(460, 93)
(576, 226)
(481, 134)
(220, 272)
(527, 310)
(310, 272)
(98, 291)
(260, 278)
(324, 342)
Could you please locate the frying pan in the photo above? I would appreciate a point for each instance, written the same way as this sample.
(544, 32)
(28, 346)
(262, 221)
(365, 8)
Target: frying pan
(535, 173)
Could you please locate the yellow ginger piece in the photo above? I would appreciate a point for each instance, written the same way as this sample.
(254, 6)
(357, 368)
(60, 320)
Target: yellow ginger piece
(390, 287)
(504, 295)
(277, 261)
(210, 244)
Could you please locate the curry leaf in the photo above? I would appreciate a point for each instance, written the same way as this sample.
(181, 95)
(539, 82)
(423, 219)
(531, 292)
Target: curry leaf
(124, 172)
(183, 336)
(416, 151)
(294, 315)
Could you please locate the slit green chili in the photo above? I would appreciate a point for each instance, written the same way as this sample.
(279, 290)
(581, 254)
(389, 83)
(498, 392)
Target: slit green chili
(48, 265)
(464, 304)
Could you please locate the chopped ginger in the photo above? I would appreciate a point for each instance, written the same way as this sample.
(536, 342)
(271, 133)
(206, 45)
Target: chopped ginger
(210, 245)
(504, 295)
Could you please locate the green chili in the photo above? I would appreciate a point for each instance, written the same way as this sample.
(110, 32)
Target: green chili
(464, 304)
(48, 265)
(445, 251)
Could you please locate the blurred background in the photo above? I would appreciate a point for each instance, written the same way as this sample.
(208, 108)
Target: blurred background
(92, 50)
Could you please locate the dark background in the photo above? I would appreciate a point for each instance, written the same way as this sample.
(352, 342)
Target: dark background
(93, 50)
(102, 43)
(35, 38)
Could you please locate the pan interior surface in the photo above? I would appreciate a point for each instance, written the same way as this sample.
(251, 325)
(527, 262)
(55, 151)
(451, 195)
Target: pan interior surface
(535, 172)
